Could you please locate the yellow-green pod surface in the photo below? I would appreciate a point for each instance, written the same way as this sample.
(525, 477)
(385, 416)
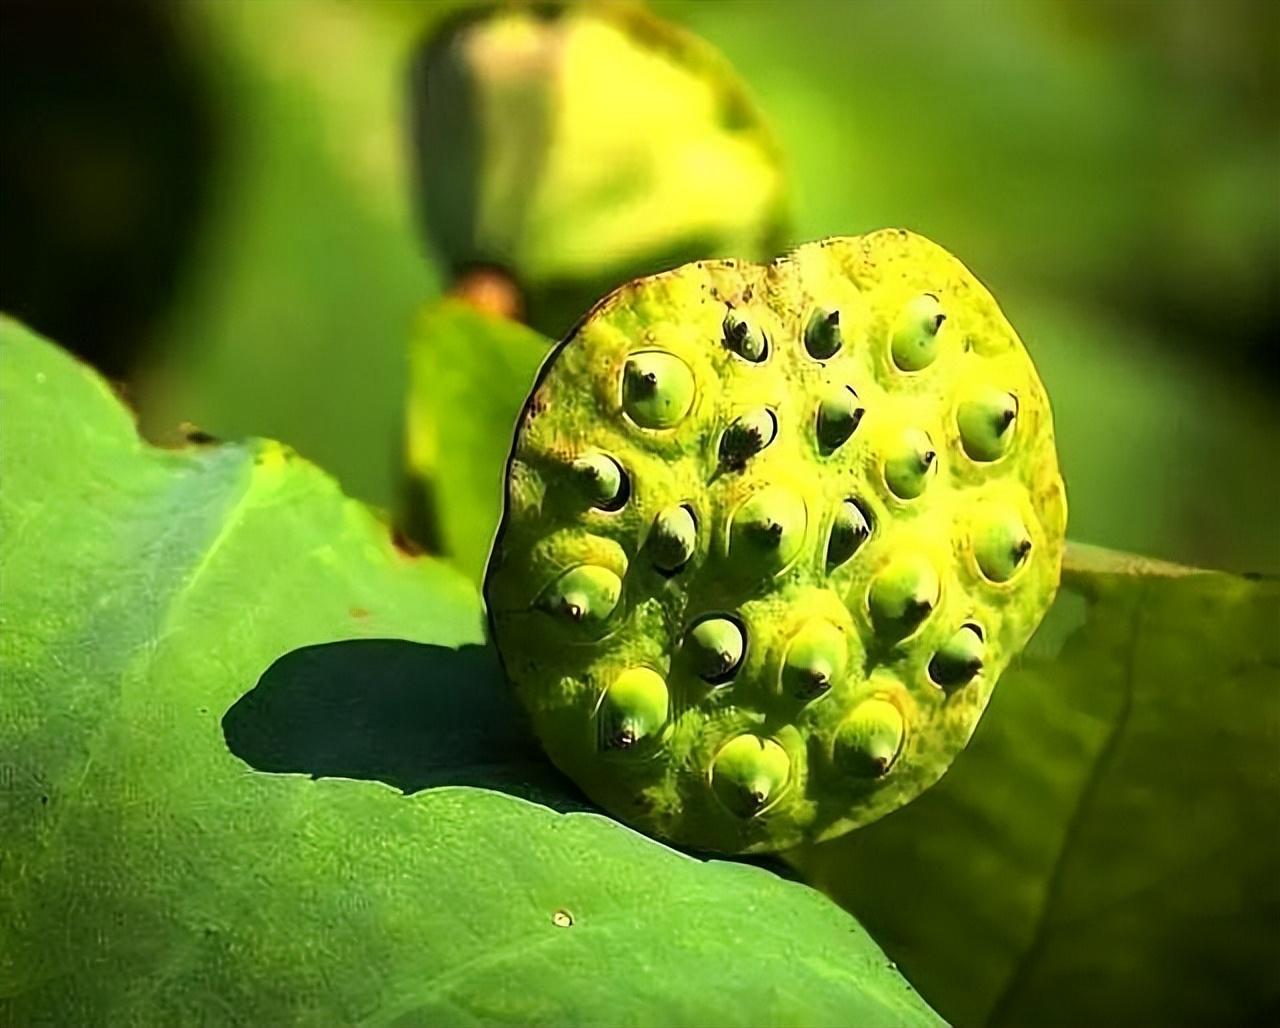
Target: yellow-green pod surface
(854, 565)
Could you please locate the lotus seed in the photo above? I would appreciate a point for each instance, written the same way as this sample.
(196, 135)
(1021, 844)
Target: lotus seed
(716, 645)
(849, 531)
(1001, 544)
(903, 594)
(822, 334)
(986, 422)
(767, 531)
(673, 538)
(743, 340)
(909, 464)
(815, 660)
(839, 413)
(915, 334)
(657, 389)
(749, 773)
(959, 659)
(602, 480)
(746, 437)
(870, 739)
(584, 595)
(633, 708)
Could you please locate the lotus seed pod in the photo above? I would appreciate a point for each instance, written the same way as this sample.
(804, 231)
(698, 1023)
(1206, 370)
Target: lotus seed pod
(959, 659)
(838, 415)
(903, 594)
(632, 709)
(822, 334)
(747, 436)
(742, 339)
(716, 645)
(575, 146)
(986, 422)
(602, 480)
(815, 660)
(1002, 544)
(869, 741)
(585, 595)
(673, 539)
(909, 464)
(657, 389)
(915, 334)
(812, 609)
(749, 773)
(849, 530)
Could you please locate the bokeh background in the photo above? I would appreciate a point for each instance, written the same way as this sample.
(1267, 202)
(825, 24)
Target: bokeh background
(214, 203)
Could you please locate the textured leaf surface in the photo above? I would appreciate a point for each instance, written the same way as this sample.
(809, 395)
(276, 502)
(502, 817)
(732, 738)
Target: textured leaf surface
(1105, 851)
(151, 871)
(469, 375)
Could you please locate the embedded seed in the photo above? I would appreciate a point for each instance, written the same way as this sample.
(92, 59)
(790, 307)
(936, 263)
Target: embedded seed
(633, 708)
(910, 463)
(767, 531)
(986, 423)
(749, 773)
(657, 389)
(748, 343)
(915, 334)
(870, 739)
(839, 413)
(959, 659)
(849, 531)
(1001, 544)
(601, 480)
(747, 436)
(715, 645)
(673, 538)
(815, 660)
(903, 594)
(822, 334)
(584, 595)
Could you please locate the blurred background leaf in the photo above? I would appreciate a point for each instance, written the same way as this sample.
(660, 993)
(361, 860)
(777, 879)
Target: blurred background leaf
(1104, 852)
(1108, 169)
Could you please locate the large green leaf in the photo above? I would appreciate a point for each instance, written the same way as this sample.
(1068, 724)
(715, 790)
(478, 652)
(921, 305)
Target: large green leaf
(153, 870)
(1105, 851)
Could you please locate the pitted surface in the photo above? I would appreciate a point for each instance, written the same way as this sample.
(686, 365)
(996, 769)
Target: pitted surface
(838, 516)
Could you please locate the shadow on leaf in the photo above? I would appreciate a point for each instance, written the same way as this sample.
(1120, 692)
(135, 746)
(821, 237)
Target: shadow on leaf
(411, 715)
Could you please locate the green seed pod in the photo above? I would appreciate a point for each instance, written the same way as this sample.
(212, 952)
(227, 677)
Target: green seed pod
(822, 334)
(815, 660)
(915, 333)
(585, 595)
(749, 773)
(632, 709)
(959, 659)
(1001, 544)
(673, 538)
(986, 423)
(903, 594)
(849, 530)
(602, 481)
(657, 389)
(577, 146)
(715, 646)
(747, 436)
(839, 413)
(869, 741)
(858, 566)
(767, 532)
(910, 463)
(748, 343)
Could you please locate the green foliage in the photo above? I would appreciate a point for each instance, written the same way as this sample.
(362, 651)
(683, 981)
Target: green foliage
(153, 871)
(1105, 851)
